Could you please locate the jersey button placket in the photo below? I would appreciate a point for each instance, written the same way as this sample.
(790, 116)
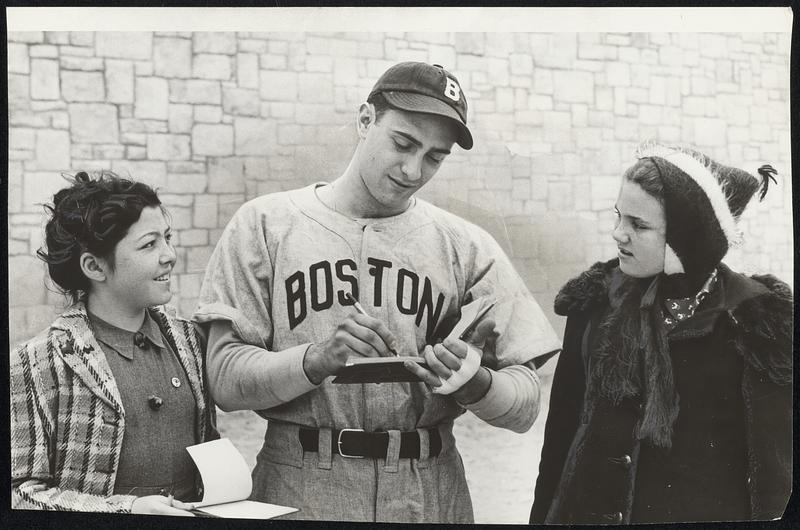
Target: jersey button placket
(366, 296)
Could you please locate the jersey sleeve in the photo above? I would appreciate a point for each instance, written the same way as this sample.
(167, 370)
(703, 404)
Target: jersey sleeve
(238, 280)
(521, 327)
(234, 307)
(521, 333)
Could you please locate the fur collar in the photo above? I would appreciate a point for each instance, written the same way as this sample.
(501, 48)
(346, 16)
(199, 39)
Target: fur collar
(586, 290)
(766, 327)
(594, 287)
(759, 306)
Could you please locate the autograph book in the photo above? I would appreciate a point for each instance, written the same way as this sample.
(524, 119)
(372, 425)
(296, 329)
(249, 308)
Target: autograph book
(391, 369)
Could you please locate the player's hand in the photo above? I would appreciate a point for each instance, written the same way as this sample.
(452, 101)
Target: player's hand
(358, 335)
(454, 364)
(160, 505)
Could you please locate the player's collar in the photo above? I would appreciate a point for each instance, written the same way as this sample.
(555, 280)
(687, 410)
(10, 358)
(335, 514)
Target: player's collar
(309, 203)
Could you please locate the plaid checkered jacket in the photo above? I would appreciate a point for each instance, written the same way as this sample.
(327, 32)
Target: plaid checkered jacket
(67, 420)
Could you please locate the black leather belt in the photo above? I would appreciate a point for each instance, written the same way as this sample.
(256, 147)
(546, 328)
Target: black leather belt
(355, 443)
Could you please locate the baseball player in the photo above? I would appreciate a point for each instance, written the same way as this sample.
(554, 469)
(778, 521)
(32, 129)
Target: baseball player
(276, 304)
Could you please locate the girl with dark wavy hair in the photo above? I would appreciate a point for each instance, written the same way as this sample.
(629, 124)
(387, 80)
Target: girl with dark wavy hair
(672, 397)
(106, 399)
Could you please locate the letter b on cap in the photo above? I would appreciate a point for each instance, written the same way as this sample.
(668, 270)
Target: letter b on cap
(452, 90)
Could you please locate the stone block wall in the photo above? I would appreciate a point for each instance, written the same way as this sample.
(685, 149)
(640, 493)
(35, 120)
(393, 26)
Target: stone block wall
(214, 119)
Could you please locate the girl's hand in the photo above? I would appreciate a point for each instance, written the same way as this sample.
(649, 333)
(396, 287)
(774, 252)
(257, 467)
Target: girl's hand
(160, 505)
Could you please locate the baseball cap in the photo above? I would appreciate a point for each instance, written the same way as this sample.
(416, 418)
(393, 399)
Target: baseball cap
(422, 87)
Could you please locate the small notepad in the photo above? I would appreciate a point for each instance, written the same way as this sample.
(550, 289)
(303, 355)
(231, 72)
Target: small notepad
(391, 369)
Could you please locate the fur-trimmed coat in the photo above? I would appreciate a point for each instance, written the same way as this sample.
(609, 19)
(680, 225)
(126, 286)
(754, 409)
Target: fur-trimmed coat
(67, 419)
(749, 322)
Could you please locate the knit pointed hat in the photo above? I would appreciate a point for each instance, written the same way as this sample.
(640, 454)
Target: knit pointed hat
(703, 201)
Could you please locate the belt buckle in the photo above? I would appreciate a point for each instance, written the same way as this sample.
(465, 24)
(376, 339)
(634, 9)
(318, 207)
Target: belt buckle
(339, 443)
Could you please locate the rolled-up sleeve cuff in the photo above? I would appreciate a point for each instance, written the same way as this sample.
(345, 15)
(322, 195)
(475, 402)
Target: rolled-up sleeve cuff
(290, 374)
(499, 399)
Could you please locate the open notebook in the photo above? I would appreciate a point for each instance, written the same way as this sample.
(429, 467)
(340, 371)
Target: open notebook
(227, 484)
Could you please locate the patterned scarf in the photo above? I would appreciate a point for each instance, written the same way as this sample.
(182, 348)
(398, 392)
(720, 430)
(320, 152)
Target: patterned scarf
(680, 309)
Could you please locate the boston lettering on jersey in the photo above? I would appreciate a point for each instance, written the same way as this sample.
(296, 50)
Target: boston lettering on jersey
(314, 290)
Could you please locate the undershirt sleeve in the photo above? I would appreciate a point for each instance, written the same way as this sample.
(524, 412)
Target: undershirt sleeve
(512, 401)
(247, 377)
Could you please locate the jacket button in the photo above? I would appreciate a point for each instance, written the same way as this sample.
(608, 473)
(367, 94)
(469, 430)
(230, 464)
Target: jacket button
(615, 518)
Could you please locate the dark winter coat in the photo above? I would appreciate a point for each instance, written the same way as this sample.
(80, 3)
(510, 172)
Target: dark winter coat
(594, 470)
